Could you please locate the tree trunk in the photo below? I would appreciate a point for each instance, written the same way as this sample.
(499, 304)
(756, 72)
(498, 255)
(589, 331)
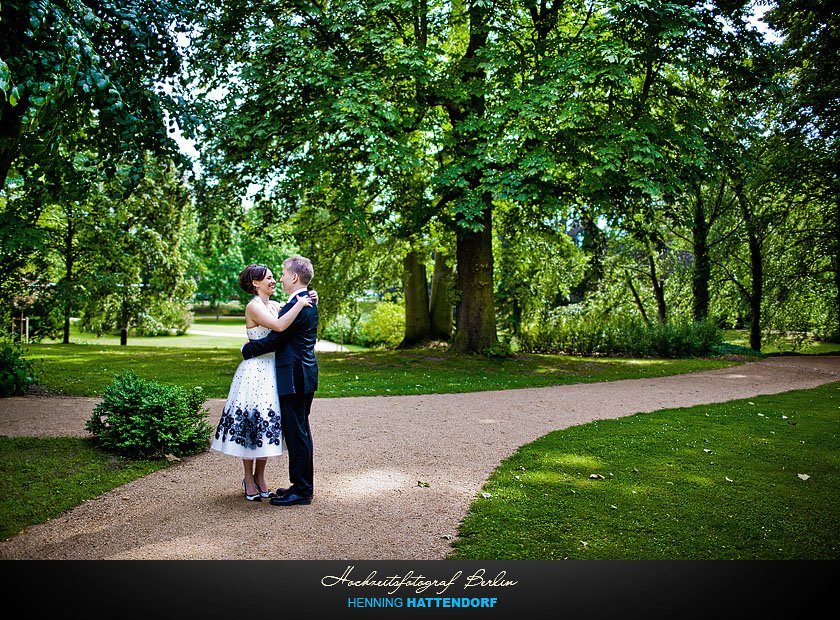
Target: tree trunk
(475, 327)
(475, 322)
(10, 128)
(124, 330)
(702, 271)
(757, 273)
(416, 291)
(636, 297)
(658, 291)
(756, 269)
(440, 308)
(68, 278)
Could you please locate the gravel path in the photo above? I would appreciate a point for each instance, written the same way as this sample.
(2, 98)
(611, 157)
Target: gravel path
(370, 454)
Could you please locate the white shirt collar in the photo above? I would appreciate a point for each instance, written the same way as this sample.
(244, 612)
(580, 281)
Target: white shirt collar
(293, 295)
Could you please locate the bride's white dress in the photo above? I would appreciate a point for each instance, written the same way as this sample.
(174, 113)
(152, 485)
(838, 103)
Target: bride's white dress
(250, 423)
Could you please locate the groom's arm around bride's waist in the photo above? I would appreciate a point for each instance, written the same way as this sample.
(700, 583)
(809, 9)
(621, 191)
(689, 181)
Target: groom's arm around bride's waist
(272, 342)
(307, 320)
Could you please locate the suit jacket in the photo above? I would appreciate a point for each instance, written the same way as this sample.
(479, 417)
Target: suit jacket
(294, 352)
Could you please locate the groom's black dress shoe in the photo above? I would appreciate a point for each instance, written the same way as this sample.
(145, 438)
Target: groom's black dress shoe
(290, 499)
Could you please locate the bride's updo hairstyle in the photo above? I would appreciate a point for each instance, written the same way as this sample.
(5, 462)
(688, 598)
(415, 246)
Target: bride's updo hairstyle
(248, 275)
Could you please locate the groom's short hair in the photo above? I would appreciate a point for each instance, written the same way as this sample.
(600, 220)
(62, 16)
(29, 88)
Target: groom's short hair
(302, 267)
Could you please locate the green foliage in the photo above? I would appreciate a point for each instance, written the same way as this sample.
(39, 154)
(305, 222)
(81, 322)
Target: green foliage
(586, 335)
(383, 327)
(137, 277)
(16, 372)
(140, 417)
(368, 324)
(71, 66)
(498, 350)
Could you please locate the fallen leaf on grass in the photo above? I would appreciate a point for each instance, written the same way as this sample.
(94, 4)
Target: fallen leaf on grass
(803, 476)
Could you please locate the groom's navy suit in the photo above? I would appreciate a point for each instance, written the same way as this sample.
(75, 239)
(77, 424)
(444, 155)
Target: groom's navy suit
(297, 380)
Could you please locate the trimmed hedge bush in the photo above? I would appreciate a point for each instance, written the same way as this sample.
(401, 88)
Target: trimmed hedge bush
(142, 418)
(382, 327)
(622, 336)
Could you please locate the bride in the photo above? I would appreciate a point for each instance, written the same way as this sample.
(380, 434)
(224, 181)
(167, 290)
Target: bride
(250, 425)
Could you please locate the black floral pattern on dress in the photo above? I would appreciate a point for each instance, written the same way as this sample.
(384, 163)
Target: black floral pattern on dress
(249, 429)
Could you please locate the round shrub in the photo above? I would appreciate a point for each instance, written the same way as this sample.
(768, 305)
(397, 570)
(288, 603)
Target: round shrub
(383, 327)
(16, 372)
(142, 418)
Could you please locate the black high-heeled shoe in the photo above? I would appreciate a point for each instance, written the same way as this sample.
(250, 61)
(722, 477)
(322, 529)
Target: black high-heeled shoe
(251, 498)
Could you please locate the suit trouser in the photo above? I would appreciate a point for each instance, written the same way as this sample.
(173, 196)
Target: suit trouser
(294, 418)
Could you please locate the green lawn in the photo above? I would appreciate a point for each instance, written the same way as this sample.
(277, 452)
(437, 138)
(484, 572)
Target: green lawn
(781, 344)
(228, 332)
(85, 370)
(749, 479)
(41, 478)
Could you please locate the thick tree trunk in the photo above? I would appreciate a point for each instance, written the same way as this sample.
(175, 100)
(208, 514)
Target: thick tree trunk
(475, 322)
(416, 291)
(475, 328)
(440, 308)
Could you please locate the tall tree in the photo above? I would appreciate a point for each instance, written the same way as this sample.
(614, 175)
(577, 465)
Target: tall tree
(98, 77)
(811, 32)
(139, 278)
(558, 103)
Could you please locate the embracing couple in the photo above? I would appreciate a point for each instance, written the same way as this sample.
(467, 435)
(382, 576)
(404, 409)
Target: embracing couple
(272, 390)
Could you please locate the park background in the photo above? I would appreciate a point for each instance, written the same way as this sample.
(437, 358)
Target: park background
(488, 190)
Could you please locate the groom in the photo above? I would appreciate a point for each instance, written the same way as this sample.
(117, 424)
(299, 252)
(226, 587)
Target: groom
(297, 380)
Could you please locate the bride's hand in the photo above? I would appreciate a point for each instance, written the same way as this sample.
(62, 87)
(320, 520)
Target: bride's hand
(314, 296)
(303, 300)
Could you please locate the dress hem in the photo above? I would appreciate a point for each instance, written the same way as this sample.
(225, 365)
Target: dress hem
(246, 457)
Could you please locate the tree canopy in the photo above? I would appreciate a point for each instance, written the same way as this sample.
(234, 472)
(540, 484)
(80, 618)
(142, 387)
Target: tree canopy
(507, 163)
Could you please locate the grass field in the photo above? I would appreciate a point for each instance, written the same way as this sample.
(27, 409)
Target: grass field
(749, 479)
(782, 344)
(41, 478)
(85, 370)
